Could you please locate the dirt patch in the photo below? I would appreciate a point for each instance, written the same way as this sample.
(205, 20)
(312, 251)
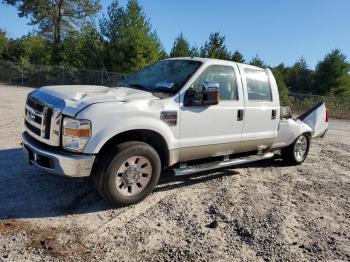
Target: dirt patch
(57, 242)
(11, 227)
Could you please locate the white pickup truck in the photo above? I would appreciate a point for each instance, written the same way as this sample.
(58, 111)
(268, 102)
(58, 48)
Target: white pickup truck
(184, 114)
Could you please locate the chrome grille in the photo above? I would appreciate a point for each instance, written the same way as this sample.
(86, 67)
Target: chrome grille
(42, 121)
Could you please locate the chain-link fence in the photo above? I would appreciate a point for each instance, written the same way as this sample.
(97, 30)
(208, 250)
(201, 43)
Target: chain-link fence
(337, 107)
(22, 74)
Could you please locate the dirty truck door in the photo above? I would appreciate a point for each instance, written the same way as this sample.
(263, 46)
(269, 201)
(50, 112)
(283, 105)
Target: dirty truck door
(317, 119)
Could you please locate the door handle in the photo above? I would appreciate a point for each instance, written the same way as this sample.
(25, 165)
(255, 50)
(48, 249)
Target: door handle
(273, 114)
(240, 114)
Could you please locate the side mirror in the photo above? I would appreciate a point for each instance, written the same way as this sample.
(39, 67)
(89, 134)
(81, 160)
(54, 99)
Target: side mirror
(210, 93)
(208, 96)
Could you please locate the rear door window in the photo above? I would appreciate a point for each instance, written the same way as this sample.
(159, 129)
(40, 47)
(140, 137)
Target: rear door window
(258, 85)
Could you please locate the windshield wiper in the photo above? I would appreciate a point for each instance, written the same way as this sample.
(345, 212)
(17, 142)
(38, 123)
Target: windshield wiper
(164, 89)
(138, 86)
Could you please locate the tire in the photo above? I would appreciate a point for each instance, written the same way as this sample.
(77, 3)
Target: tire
(128, 173)
(296, 153)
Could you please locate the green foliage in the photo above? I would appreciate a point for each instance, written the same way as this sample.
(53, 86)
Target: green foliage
(332, 73)
(282, 87)
(32, 48)
(83, 50)
(299, 77)
(4, 42)
(237, 57)
(15, 50)
(35, 49)
(344, 86)
(283, 70)
(257, 61)
(56, 19)
(215, 47)
(131, 43)
(181, 47)
(162, 53)
(195, 52)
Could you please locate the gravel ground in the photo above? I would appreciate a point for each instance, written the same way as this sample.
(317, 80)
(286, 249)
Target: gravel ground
(256, 212)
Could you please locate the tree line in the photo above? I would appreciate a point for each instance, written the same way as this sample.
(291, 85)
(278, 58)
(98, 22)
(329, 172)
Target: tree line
(123, 40)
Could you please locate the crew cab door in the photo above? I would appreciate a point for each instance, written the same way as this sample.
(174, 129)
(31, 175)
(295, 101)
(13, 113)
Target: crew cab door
(262, 109)
(213, 130)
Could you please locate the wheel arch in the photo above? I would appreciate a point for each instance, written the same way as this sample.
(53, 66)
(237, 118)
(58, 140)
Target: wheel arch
(151, 137)
(309, 134)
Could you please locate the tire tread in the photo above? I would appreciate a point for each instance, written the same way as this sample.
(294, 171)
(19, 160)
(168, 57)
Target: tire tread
(100, 177)
(287, 153)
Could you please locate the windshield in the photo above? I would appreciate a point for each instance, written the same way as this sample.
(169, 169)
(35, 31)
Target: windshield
(163, 76)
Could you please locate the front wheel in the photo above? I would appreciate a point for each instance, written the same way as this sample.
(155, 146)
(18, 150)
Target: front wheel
(296, 153)
(128, 173)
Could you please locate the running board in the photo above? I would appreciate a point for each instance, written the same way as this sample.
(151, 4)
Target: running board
(220, 164)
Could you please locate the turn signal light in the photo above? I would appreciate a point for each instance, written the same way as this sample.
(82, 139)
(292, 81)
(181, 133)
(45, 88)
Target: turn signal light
(77, 132)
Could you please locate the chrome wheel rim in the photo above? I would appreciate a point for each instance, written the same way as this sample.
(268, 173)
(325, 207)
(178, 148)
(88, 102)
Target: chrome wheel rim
(300, 148)
(133, 175)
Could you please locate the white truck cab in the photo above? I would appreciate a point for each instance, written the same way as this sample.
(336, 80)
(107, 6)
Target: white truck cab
(186, 114)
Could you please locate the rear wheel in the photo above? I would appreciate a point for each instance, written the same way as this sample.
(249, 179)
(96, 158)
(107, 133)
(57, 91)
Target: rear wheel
(128, 173)
(297, 152)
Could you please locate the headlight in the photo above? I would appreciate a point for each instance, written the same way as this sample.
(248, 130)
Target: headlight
(76, 134)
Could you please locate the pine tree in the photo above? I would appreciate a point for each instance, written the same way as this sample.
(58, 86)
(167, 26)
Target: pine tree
(215, 47)
(131, 43)
(300, 77)
(257, 61)
(181, 47)
(83, 50)
(35, 49)
(281, 84)
(238, 57)
(56, 18)
(4, 42)
(332, 73)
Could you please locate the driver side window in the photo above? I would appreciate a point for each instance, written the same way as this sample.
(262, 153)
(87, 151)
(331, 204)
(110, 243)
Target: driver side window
(224, 76)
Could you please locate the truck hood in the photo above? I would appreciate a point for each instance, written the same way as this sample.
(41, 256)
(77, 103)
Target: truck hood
(73, 98)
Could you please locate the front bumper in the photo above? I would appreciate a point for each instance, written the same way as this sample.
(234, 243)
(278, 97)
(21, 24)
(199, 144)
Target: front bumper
(56, 161)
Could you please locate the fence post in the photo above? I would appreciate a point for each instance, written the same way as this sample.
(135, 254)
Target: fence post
(22, 77)
(102, 77)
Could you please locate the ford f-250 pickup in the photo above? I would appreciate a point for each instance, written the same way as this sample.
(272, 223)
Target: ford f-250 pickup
(184, 114)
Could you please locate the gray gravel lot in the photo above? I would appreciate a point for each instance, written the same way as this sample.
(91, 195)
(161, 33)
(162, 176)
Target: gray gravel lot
(256, 212)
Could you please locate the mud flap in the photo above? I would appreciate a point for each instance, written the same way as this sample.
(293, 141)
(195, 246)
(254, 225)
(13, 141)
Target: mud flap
(317, 119)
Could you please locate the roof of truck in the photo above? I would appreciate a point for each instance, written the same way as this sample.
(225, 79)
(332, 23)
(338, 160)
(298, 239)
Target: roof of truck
(209, 60)
(200, 59)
